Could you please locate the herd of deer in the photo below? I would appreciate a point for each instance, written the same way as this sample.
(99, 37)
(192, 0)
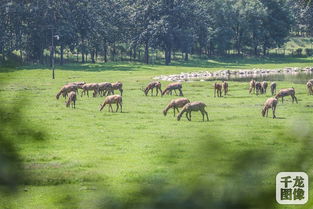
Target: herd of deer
(107, 89)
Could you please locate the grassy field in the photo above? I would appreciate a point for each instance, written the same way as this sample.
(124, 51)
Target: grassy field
(87, 154)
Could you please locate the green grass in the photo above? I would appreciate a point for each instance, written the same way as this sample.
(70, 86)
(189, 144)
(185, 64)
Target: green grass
(87, 152)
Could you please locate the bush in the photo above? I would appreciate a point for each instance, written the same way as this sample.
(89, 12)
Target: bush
(309, 52)
(299, 51)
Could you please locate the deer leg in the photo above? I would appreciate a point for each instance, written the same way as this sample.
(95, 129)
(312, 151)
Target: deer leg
(181, 92)
(266, 112)
(207, 117)
(202, 113)
(121, 106)
(187, 116)
(152, 92)
(117, 106)
(295, 98)
(274, 109)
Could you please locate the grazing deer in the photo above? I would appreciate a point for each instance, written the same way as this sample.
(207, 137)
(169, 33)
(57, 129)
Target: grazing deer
(218, 89)
(175, 104)
(151, 86)
(78, 84)
(65, 90)
(270, 103)
(273, 88)
(309, 86)
(71, 99)
(118, 86)
(286, 92)
(112, 99)
(252, 86)
(264, 86)
(88, 87)
(258, 88)
(173, 86)
(193, 106)
(225, 87)
(104, 89)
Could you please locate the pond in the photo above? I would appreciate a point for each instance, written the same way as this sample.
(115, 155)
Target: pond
(295, 75)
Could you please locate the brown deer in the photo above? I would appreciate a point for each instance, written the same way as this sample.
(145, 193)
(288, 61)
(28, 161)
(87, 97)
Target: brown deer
(309, 86)
(65, 90)
(71, 99)
(225, 87)
(193, 106)
(118, 86)
(218, 89)
(273, 88)
(173, 86)
(258, 88)
(151, 86)
(78, 84)
(175, 104)
(104, 89)
(112, 99)
(286, 92)
(270, 103)
(252, 86)
(264, 86)
(89, 87)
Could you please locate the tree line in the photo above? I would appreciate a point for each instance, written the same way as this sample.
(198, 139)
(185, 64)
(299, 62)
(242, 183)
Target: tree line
(93, 28)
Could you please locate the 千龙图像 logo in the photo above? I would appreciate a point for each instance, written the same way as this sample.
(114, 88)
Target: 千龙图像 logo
(292, 188)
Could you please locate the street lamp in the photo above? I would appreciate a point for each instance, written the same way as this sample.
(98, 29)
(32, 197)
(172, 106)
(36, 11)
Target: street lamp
(57, 37)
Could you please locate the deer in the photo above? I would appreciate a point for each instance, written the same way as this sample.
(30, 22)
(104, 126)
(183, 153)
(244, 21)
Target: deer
(273, 88)
(175, 104)
(117, 86)
(112, 99)
(173, 86)
(65, 90)
(264, 86)
(104, 89)
(151, 86)
(270, 103)
(258, 88)
(252, 86)
(286, 92)
(90, 86)
(309, 86)
(218, 89)
(78, 84)
(225, 87)
(193, 106)
(71, 99)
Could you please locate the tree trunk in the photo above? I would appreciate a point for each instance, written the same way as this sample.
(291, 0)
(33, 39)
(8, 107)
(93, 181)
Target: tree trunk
(105, 51)
(168, 55)
(83, 57)
(264, 49)
(92, 54)
(61, 51)
(186, 56)
(135, 53)
(146, 53)
(113, 53)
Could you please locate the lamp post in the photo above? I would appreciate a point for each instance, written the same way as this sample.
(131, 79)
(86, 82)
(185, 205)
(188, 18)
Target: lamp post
(52, 50)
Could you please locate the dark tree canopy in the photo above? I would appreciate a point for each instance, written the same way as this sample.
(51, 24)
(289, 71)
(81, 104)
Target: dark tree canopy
(106, 28)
